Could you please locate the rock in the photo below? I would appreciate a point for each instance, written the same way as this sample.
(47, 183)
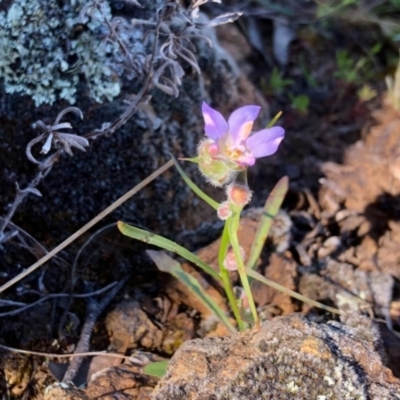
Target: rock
(367, 185)
(129, 327)
(58, 392)
(288, 358)
(79, 187)
(17, 371)
(177, 331)
(284, 272)
(371, 290)
(122, 383)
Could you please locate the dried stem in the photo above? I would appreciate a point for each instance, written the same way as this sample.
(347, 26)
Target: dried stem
(54, 355)
(73, 270)
(94, 309)
(24, 307)
(44, 169)
(141, 96)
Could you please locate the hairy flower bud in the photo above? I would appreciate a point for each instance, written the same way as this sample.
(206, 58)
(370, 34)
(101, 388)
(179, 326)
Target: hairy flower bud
(230, 262)
(238, 194)
(207, 149)
(224, 211)
(217, 172)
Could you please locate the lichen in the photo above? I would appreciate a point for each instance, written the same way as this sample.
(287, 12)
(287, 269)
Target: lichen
(288, 358)
(46, 49)
(280, 377)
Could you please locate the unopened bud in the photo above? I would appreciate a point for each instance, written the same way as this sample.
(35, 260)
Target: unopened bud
(212, 149)
(216, 172)
(230, 262)
(239, 195)
(224, 211)
(207, 150)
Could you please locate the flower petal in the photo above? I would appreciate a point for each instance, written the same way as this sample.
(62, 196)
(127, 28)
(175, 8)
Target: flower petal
(265, 142)
(246, 160)
(241, 122)
(215, 124)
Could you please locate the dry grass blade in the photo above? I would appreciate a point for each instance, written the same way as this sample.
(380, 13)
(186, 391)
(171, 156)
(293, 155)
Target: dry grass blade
(70, 355)
(86, 227)
(255, 275)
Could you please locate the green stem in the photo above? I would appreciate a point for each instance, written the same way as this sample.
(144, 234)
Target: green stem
(194, 187)
(226, 280)
(233, 226)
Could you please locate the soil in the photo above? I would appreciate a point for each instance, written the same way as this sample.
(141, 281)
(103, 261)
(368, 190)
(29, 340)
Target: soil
(337, 237)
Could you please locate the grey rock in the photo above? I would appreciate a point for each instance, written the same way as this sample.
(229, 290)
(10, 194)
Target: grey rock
(288, 358)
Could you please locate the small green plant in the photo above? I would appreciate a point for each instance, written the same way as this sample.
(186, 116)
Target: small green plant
(353, 71)
(157, 368)
(348, 69)
(223, 158)
(366, 93)
(277, 82)
(300, 103)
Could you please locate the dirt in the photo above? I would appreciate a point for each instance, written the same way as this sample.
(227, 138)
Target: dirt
(339, 241)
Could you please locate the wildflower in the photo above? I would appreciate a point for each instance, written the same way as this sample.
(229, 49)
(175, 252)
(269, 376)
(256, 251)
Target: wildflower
(232, 140)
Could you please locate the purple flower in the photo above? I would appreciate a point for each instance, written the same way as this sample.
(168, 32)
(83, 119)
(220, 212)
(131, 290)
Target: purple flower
(232, 140)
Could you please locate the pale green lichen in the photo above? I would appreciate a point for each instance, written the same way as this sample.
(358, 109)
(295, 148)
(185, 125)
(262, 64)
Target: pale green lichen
(43, 55)
(287, 374)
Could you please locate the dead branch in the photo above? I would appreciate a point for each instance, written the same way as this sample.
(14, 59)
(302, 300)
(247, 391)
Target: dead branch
(94, 309)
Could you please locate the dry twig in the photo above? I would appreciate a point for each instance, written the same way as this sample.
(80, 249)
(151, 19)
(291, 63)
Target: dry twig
(94, 309)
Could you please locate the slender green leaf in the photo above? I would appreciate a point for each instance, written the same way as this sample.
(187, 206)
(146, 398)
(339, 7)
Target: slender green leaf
(167, 264)
(273, 120)
(271, 208)
(233, 227)
(166, 244)
(227, 283)
(194, 187)
(255, 275)
(158, 368)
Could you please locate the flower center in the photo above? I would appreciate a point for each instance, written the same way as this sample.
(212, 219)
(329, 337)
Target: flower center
(234, 153)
